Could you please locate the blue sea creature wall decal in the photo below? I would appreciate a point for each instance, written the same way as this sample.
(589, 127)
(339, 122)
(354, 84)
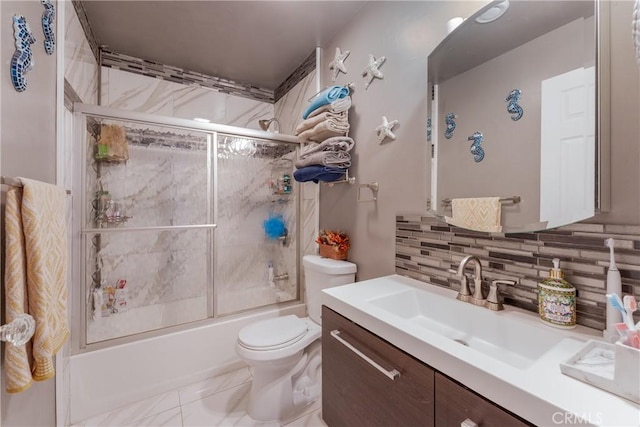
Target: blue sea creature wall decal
(513, 107)
(22, 60)
(451, 125)
(48, 17)
(476, 149)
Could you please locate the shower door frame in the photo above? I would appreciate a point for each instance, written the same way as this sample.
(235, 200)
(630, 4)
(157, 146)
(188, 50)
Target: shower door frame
(81, 232)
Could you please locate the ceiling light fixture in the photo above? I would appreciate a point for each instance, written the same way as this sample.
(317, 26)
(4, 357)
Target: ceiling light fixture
(265, 123)
(493, 13)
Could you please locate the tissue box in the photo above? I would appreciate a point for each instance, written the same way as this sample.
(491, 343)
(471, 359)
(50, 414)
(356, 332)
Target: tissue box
(611, 367)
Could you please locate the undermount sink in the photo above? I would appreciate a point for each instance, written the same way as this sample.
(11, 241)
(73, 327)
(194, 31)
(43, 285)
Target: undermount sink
(511, 337)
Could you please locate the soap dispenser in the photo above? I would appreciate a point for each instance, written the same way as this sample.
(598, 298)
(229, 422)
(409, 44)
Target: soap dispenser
(557, 299)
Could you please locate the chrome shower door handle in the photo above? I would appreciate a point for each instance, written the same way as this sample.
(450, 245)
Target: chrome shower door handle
(392, 374)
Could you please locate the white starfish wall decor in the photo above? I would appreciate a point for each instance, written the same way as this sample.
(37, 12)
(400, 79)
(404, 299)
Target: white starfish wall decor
(337, 64)
(384, 130)
(371, 70)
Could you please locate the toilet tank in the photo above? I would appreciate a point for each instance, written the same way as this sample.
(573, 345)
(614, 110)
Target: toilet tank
(321, 273)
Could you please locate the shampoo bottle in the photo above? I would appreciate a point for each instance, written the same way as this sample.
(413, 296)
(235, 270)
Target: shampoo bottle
(614, 286)
(557, 299)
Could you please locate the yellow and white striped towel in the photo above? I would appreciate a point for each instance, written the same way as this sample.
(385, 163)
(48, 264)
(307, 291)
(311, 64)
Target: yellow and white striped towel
(35, 278)
(480, 214)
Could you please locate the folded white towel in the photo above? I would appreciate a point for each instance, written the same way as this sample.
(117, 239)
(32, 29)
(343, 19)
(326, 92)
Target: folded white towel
(337, 106)
(338, 159)
(325, 129)
(327, 115)
(338, 143)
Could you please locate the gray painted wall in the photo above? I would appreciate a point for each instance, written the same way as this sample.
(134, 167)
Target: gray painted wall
(28, 144)
(406, 32)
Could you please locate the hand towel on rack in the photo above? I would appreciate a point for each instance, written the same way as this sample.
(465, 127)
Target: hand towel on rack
(326, 96)
(318, 173)
(336, 159)
(35, 278)
(337, 106)
(325, 130)
(327, 115)
(480, 214)
(338, 143)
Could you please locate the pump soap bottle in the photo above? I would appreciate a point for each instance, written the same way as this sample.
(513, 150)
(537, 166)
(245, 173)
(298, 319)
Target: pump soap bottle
(557, 299)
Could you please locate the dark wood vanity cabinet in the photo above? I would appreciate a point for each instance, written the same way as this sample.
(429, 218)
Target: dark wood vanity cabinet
(456, 403)
(355, 393)
(358, 388)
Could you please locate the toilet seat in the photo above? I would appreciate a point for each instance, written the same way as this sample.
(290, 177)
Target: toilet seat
(290, 343)
(272, 334)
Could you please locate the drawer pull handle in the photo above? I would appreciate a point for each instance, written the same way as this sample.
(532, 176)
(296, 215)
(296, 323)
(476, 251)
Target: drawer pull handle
(468, 423)
(393, 374)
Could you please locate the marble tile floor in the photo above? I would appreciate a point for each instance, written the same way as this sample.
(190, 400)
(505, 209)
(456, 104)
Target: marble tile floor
(217, 401)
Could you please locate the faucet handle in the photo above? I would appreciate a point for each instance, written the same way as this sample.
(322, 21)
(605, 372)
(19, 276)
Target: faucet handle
(493, 302)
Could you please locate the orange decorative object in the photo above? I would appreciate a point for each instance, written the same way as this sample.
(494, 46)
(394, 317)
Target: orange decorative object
(332, 252)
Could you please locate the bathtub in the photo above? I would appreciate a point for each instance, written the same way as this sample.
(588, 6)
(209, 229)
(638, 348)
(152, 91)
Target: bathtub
(105, 379)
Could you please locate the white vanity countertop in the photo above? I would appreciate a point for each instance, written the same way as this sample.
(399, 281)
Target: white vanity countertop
(539, 393)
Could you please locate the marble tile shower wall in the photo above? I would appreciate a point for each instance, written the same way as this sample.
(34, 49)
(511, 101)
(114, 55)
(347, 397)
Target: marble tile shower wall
(288, 110)
(426, 249)
(81, 67)
(134, 92)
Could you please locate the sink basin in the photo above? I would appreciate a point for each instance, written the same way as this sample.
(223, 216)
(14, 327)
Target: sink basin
(512, 337)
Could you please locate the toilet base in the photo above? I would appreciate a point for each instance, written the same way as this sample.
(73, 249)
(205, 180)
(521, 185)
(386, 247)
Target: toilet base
(279, 389)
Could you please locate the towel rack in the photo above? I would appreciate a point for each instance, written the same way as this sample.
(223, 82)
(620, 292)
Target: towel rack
(15, 182)
(513, 199)
(347, 180)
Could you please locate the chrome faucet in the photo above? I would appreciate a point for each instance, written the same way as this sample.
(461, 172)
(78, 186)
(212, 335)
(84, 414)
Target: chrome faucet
(465, 295)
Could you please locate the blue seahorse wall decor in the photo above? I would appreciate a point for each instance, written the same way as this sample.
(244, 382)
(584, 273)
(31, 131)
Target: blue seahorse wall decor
(48, 17)
(22, 60)
(513, 107)
(451, 125)
(476, 149)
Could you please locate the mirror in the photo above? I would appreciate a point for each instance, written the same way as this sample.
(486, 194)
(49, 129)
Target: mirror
(513, 115)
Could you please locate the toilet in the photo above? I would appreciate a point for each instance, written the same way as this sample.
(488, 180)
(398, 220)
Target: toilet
(284, 352)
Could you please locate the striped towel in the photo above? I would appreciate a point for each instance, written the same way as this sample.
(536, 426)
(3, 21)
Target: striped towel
(35, 278)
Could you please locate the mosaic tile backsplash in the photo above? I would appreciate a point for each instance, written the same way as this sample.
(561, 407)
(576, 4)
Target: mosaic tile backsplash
(427, 249)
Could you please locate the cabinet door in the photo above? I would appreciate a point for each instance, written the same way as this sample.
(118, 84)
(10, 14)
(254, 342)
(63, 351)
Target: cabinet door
(356, 393)
(455, 404)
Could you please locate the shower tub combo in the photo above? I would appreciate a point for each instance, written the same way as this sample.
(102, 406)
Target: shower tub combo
(175, 256)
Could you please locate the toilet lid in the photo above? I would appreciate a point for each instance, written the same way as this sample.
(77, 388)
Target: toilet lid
(273, 333)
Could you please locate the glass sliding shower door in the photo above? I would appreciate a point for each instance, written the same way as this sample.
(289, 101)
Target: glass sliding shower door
(180, 223)
(257, 235)
(148, 227)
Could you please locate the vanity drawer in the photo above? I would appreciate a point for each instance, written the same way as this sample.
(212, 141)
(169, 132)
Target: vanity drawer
(357, 393)
(456, 403)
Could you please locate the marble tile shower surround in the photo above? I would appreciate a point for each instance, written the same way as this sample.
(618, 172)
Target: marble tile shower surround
(307, 67)
(81, 16)
(179, 75)
(134, 92)
(288, 110)
(81, 66)
(426, 249)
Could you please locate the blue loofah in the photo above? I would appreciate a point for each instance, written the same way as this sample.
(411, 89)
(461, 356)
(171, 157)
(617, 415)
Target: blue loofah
(274, 227)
